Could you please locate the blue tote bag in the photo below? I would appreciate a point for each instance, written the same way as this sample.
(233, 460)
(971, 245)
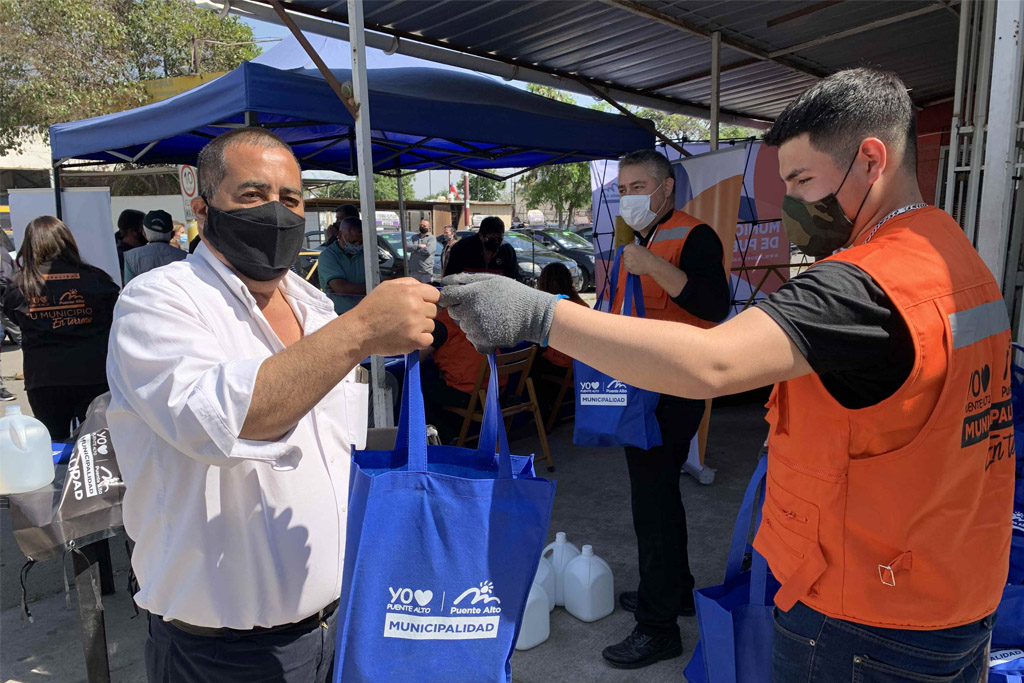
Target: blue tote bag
(735, 619)
(610, 412)
(443, 544)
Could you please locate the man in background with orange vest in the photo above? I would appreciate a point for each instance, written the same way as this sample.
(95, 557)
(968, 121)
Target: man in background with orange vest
(890, 463)
(679, 261)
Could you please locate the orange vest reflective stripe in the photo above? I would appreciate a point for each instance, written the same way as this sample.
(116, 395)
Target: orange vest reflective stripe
(668, 244)
(457, 360)
(898, 515)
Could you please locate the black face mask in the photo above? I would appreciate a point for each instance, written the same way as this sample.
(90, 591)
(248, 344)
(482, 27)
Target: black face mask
(260, 242)
(492, 243)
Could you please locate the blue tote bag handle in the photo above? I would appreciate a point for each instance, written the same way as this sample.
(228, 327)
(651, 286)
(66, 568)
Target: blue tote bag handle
(634, 297)
(738, 546)
(412, 422)
(611, 286)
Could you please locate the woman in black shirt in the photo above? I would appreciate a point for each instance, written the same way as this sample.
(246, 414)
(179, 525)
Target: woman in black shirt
(64, 307)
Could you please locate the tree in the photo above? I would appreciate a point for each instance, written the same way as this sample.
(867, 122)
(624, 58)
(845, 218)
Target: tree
(566, 187)
(385, 188)
(64, 60)
(483, 189)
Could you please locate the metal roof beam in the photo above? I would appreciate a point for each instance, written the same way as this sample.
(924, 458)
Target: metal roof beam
(415, 45)
(690, 27)
(700, 76)
(856, 29)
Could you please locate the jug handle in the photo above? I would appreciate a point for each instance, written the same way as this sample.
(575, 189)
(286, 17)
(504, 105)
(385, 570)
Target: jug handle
(551, 547)
(19, 438)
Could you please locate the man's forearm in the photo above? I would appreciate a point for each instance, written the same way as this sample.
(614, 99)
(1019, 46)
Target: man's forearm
(669, 278)
(678, 359)
(291, 382)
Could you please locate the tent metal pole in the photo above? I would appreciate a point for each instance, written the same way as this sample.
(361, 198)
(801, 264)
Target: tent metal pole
(58, 206)
(402, 227)
(716, 91)
(383, 415)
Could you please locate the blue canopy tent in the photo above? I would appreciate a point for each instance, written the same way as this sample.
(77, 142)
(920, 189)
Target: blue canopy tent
(423, 118)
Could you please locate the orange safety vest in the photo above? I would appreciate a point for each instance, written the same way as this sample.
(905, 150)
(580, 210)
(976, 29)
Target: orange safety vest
(667, 243)
(898, 515)
(457, 360)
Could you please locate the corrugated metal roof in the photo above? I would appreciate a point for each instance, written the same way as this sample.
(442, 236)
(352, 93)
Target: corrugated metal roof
(645, 46)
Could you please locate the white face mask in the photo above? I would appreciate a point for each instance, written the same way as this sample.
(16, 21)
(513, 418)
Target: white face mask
(635, 209)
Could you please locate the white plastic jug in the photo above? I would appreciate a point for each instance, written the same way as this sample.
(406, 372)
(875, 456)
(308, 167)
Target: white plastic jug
(589, 587)
(26, 457)
(536, 620)
(562, 552)
(545, 578)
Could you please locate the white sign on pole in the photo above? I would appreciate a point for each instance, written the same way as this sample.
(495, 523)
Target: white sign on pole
(189, 180)
(87, 215)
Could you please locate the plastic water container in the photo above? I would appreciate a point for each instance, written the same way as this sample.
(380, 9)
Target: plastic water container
(589, 587)
(562, 552)
(536, 620)
(545, 578)
(26, 457)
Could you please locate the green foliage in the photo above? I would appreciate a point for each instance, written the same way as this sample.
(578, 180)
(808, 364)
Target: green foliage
(486, 190)
(566, 187)
(384, 188)
(64, 60)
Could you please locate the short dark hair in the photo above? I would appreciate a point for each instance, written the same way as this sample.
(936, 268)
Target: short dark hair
(212, 163)
(841, 110)
(130, 220)
(657, 164)
(492, 224)
(347, 211)
(351, 222)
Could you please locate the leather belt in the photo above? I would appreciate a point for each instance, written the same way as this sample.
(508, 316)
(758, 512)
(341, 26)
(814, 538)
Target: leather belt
(307, 624)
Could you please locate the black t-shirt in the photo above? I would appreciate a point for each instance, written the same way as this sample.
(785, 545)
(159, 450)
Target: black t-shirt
(848, 329)
(65, 331)
(467, 256)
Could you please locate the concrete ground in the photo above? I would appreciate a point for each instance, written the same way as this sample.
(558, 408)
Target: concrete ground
(591, 506)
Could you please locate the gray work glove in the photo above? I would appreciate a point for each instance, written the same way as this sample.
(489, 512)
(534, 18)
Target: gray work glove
(496, 311)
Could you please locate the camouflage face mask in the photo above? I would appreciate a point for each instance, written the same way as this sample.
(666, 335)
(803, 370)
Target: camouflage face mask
(820, 227)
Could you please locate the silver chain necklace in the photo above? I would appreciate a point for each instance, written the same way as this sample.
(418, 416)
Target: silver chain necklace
(897, 212)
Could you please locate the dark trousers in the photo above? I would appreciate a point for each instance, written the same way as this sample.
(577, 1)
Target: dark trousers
(660, 520)
(307, 656)
(436, 396)
(56, 407)
(809, 646)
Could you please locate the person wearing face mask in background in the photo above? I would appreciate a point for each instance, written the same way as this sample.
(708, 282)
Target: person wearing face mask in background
(890, 481)
(679, 261)
(421, 256)
(484, 252)
(341, 268)
(234, 405)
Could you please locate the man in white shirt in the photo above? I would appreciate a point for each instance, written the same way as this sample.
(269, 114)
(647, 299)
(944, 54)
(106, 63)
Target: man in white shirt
(233, 434)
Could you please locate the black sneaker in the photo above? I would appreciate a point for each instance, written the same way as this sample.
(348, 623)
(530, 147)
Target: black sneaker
(629, 599)
(639, 650)
(6, 395)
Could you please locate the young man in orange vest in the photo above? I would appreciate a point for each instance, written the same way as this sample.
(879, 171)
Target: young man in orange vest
(679, 261)
(890, 466)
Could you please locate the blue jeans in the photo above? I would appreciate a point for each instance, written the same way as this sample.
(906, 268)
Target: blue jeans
(173, 656)
(811, 647)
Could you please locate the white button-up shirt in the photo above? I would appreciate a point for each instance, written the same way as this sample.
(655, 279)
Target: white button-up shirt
(229, 532)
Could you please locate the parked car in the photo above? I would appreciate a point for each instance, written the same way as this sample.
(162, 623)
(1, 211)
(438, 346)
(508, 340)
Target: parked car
(389, 260)
(586, 232)
(569, 244)
(533, 256)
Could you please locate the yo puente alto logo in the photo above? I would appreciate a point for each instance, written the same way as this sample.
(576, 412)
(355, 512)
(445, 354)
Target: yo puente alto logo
(610, 392)
(410, 614)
